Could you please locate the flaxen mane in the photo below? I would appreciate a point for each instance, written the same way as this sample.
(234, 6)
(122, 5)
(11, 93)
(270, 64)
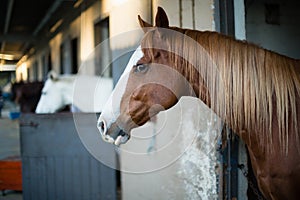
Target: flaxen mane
(249, 87)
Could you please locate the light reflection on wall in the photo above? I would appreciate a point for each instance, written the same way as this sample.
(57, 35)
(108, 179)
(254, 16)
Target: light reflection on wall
(118, 2)
(21, 72)
(86, 35)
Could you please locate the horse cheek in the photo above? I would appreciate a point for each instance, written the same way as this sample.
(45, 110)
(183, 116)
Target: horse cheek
(164, 97)
(138, 111)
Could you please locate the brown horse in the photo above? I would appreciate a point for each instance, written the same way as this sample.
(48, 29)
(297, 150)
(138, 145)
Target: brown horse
(254, 91)
(27, 95)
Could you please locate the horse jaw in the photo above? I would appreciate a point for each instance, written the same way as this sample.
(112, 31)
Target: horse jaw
(107, 122)
(45, 105)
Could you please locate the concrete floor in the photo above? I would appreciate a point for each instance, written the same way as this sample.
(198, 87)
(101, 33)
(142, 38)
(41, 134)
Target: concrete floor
(9, 138)
(11, 195)
(9, 143)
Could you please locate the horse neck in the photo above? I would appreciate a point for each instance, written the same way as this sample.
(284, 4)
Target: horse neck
(248, 86)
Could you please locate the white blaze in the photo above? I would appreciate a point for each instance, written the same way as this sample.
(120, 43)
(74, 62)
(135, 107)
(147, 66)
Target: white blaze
(111, 110)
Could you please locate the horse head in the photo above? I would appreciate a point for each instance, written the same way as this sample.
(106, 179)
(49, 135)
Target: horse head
(150, 84)
(54, 94)
(52, 75)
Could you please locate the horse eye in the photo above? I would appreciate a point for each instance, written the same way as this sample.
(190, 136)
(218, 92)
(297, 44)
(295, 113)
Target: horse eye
(44, 93)
(141, 68)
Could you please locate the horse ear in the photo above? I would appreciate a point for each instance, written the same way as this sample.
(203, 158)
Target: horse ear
(53, 75)
(144, 24)
(161, 19)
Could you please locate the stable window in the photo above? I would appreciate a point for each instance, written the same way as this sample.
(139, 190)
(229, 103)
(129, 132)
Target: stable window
(102, 48)
(74, 55)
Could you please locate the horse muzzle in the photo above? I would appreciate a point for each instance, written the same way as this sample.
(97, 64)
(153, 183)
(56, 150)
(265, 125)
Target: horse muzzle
(113, 134)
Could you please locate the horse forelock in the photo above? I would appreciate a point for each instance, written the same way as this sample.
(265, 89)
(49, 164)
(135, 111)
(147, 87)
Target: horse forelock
(249, 87)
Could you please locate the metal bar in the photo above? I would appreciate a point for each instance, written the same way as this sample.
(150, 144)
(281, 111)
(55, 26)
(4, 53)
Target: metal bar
(226, 17)
(193, 14)
(180, 13)
(228, 163)
(234, 165)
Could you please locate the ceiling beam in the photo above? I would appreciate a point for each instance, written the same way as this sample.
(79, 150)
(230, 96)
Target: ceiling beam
(47, 17)
(16, 38)
(42, 23)
(17, 54)
(8, 15)
(7, 21)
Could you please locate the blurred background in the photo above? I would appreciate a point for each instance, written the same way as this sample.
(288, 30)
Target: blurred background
(67, 36)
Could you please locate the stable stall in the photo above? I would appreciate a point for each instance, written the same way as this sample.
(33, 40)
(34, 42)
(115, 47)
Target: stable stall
(55, 163)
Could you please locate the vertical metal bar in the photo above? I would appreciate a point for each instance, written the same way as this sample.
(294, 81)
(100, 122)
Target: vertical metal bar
(220, 171)
(226, 26)
(193, 14)
(226, 17)
(180, 13)
(228, 163)
(234, 165)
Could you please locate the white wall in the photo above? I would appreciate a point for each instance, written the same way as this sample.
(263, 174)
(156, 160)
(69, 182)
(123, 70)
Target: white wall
(123, 18)
(201, 12)
(182, 164)
(283, 38)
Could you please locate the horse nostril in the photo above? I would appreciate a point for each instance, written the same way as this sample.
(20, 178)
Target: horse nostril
(102, 127)
(103, 131)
